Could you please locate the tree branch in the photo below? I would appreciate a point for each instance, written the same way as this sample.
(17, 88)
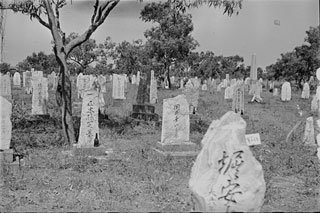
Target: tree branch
(86, 35)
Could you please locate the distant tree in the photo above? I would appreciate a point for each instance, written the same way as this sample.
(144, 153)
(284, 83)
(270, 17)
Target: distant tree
(84, 54)
(4, 68)
(40, 61)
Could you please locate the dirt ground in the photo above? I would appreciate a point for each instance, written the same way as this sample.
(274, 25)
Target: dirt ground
(137, 179)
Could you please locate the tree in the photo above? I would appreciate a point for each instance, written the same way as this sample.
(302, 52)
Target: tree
(50, 9)
(40, 61)
(4, 68)
(84, 54)
(170, 40)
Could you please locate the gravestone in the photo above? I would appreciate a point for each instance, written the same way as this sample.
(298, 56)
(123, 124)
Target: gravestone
(134, 79)
(102, 80)
(17, 79)
(228, 93)
(27, 82)
(309, 136)
(275, 92)
(305, 91)
(225, 176)
(118, 86)
(253, 67)
(6, 125)
(181, 83)
(5, 87)
(176, 128)
(204, 87)
(80, 85)
(286, 91)
(314, 104)
(153, 89)
(238, 99)
(89, 128)
(39, 97)
(256, 88)
(192, 95)
(138, 78)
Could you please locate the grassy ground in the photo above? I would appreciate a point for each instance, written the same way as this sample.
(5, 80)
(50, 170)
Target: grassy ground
(138, 179)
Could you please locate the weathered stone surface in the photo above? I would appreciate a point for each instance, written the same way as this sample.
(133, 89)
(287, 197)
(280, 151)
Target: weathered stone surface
(228, 93)
(275, 92)
(305, 91)
(175, 120)
(6, 126)
(153, 89)
(192, 95)
(286, 91)
(39, 96)
(17, 79)
(5, 86)
(314, 103)
(118, 86)
(225, 176)
(89, 128)
(238, 99)
(308, 138)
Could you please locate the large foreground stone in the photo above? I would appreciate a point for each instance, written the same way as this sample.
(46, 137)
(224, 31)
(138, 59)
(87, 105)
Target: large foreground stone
(226, 176)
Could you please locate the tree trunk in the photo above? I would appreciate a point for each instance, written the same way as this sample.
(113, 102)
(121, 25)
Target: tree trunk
(168, 76)
(64, 93)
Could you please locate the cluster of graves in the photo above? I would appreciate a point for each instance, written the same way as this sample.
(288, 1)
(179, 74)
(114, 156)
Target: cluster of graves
(225, 176)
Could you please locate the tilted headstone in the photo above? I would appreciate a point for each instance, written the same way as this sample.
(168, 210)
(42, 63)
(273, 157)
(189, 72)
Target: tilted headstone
(238, 99)
(89, 128)
(6, 125)
(286, 91)
(5, 87)
(153, 89)
(305, 91)
(309, 136)
(17, 79)
(225, 176)
(118, 86)
(175, 121)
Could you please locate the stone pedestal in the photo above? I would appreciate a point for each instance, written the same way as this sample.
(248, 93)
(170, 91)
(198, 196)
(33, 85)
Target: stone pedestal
(90, 151)
(144, 112)
(9, 165)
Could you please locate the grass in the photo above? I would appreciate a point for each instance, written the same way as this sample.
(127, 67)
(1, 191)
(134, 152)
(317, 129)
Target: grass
(138, 179)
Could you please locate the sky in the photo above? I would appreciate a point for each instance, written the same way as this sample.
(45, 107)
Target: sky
(251, 31)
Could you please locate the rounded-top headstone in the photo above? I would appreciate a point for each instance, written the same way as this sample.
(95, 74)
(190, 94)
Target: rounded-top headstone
(318, 73)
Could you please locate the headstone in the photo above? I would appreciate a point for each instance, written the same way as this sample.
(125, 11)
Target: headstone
(314, 104)
(6, 126)
(118, 86)
(89, 128)
(204, 87)
(27, 82)
(5, 87)
(228, 93)
(45, 89)
(275, 92)
(238, 99)
(253, 67)
(17, 79)
(256, 91)
(181, 83)
(318, 74)
(153, 89)
(39, 101)
(175, 121)
(305, 91)
(102, 80)
(192, 95)
(309, 136)
(225, 176)
(286, 91)
(138, 78)
(134, 79)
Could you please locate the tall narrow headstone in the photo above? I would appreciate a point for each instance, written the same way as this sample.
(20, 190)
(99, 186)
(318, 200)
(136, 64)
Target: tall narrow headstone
(27, 82)
(39, 101)
(305, 91)
(118, 86)
(238, 99)
(309, 136)
(5, 87)
(6, 126)
(286, 91)
(253, 67)
(225, 176)
(138, 78)
(175, 121)
(192, 95)
(153, 89)
(89, 128)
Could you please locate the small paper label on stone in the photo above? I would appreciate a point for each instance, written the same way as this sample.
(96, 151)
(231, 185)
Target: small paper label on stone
(253, 139)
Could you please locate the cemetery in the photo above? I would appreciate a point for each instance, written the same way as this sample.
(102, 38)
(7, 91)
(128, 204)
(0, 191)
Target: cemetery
(135, 138)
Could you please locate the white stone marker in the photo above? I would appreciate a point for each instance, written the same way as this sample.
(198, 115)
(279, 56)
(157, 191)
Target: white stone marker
(175, 121)
(134, 79)
(308, 137)
(228, 93)
(5, 87)
(6, 126)
(153, 89)
(225, 176)
(118, 86)
(275, 92)
(286, 91)
(17, 79)
(314, 103)
(89, 127)
(305, 91)
(238, 99)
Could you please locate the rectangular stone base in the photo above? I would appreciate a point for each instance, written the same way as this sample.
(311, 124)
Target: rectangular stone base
(90, 151)
(8, 166)
(183, 149)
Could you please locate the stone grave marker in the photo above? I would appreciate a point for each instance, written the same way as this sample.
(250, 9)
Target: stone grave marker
(204, 86)
(134, 79)
(225, 176)
(253, 67)
(275, 92)
(138, 78)
(39, 96)
(309, 136)
(17, 79)
(314, 103)
(256, 91)
(118, 86)
(89, 128)
(286, 91)
(6, 125)
(305, 91)
(253, 139)
(238, 99)
(153, 89)
(27, 82)
(228, 93)
(80, 85)
(181, 83)
(5, 87)
(192, 95)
